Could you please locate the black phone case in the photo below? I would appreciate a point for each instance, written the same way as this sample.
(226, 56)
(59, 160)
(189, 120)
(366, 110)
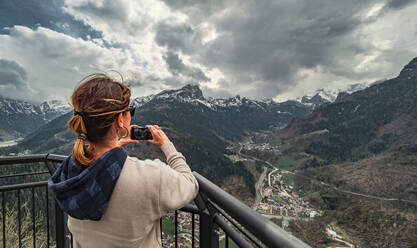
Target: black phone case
(141, 134)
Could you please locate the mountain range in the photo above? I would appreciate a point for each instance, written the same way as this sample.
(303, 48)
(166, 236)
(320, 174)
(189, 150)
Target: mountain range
(201, 128)
(20, 118)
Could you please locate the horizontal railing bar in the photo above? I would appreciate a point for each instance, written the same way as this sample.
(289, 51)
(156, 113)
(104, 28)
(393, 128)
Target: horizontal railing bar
(238, 227)
(25, 174)
(190, 209)
(34, 158)
(22, 159)
(22, 186)
(265, 230)
(241, 242)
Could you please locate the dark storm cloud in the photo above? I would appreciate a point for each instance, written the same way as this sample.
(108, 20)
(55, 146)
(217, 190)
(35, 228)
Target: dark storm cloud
(398, 4)
(275, 40)
(178, 37)
(265, 43)
(11, 73)
(45, 13)
(177, 67)
(269, 41)
(14, 82)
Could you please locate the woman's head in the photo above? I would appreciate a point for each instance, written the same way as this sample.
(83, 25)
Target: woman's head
(100, 108)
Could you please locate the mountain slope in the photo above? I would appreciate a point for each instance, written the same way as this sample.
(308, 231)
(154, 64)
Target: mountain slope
(373, 120)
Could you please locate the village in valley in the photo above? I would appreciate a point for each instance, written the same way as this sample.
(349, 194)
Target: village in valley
(276, 198)
(282, 200)
(277, 195)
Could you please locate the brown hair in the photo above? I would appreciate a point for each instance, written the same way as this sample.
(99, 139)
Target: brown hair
(97, 102)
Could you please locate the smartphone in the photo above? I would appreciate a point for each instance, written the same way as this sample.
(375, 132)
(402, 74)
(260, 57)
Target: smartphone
(140, 133)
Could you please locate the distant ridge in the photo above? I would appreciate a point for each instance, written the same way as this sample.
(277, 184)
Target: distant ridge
(322, 96)
(372, 120)
(192, 94)
(19, 118)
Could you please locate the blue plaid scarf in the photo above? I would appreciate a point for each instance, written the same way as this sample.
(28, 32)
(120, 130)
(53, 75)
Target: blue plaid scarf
(84, 192)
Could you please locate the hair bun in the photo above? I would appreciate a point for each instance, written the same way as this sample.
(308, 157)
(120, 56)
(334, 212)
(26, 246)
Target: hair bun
(93, 116)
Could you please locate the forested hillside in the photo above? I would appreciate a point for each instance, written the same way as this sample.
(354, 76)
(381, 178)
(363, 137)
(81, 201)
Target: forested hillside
(356, 158)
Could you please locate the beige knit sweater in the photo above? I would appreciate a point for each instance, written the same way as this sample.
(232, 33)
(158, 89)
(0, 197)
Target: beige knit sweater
(145, 191)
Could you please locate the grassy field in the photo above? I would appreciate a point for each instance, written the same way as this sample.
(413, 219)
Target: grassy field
(282, 147)
(288, 162)
(168, 226)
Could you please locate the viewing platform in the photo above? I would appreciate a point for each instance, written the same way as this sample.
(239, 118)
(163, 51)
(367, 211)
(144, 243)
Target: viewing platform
(31, 218)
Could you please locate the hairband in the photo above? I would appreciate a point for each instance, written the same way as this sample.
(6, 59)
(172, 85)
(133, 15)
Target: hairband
(80, 114)
(82, 136)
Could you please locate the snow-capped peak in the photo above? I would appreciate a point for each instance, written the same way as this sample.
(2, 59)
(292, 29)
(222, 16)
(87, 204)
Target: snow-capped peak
(45, 111)
(56, 106)
(322, 96)
(140, 101)
(193, 94)
(188, 92)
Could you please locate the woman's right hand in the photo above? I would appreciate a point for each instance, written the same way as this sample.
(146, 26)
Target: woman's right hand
(159, 137)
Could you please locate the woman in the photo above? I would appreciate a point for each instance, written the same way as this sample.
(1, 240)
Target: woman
(112, 199)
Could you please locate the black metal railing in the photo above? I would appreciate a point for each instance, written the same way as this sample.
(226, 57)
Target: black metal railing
(217, 216)
(27, 185)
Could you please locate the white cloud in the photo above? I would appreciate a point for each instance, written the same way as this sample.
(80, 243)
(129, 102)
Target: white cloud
(374, 11)
(130, 23)
(55, 62)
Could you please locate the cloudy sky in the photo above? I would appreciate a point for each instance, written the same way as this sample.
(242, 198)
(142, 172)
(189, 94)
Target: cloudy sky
(257, 48)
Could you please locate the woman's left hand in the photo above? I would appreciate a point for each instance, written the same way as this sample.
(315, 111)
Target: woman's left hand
(128, 139)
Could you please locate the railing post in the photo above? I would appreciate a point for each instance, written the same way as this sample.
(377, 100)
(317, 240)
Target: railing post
(209, 238)
(60, 219)
(50, 166)
(60, 227)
